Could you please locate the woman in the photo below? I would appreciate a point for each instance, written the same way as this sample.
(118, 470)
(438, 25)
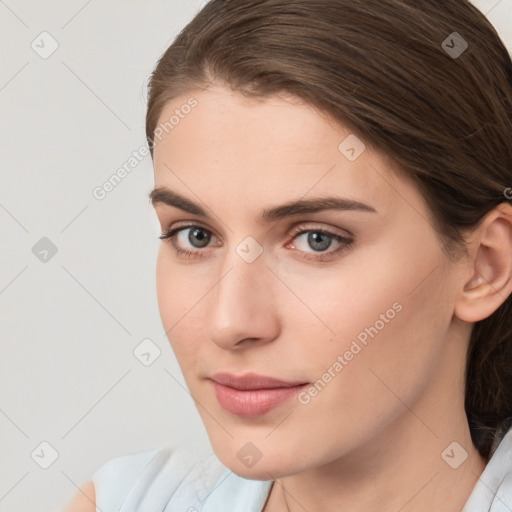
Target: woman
(332, 180)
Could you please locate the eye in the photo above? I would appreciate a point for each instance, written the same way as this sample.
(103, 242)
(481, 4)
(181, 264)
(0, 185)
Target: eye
(197, 236)
(190, 242)
(320, 240)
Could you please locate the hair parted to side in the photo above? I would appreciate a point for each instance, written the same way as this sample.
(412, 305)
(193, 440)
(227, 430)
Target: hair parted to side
(378, 67)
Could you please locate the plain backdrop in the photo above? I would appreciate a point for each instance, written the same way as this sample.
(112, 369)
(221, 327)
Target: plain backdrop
(77, 273)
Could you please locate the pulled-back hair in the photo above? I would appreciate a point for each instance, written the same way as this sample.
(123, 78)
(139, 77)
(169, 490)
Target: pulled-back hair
(399, 75)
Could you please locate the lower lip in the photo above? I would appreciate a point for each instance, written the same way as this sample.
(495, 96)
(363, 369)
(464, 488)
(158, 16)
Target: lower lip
(255, 402)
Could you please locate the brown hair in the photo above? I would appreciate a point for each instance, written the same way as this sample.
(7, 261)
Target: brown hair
(384, 69)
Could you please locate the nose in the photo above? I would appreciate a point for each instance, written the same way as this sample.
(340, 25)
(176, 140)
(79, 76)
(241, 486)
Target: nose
(242, 310)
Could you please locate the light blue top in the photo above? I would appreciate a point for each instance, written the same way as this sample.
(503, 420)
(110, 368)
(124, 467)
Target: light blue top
(171, 480)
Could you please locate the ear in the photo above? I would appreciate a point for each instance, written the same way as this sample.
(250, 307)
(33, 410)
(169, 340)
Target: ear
(490, 267)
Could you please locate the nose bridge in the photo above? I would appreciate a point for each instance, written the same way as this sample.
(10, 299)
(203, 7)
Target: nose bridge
(241, 305)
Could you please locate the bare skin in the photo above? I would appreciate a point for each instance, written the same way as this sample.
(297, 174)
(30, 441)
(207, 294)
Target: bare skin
(84, 500)
(373, 438)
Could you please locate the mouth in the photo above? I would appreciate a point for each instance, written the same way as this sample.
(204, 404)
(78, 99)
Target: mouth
(252, 395)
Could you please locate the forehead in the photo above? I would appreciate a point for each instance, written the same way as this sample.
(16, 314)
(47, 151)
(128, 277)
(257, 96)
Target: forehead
(268, 149)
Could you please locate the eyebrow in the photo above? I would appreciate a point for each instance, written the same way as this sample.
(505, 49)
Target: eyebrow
(164, 195)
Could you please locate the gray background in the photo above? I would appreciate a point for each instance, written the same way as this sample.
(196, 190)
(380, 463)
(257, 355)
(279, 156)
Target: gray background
(70, 321)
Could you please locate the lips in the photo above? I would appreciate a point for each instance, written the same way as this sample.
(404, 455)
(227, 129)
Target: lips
(252, 381)
(252, 395)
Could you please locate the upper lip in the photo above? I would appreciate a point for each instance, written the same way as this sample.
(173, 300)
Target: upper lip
(252, 381)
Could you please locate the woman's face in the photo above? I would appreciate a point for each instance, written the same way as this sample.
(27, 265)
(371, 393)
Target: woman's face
(308, 260)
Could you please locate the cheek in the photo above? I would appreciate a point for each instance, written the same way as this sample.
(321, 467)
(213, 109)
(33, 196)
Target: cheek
(355, 300)
(386, 361)
(168, 290)
(178, 297)
(381, 320)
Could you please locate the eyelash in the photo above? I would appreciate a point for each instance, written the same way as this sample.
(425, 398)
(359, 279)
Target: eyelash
(345, 242)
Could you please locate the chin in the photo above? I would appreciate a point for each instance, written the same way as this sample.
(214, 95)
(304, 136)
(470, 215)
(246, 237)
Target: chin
(266, 468)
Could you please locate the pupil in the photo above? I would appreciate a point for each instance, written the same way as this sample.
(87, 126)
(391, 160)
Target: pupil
(319, 241)
(200, 236)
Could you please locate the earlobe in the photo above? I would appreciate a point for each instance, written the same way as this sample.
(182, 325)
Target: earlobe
(491, 265)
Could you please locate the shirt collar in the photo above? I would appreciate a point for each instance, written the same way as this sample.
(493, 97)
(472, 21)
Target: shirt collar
(493, 490)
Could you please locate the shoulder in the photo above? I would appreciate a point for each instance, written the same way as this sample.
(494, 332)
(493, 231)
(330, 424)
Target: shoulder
(182, 478)
(499, 476)
(149, 480)
(120, 473)
(84, 500)
(493, 490)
